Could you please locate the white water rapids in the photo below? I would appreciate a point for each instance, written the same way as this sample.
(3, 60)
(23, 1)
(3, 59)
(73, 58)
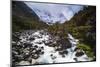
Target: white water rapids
(50, 55)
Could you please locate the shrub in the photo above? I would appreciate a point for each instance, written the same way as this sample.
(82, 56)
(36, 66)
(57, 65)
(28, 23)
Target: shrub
(86, 49)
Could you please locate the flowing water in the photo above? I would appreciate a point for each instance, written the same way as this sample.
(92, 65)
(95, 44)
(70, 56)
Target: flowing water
(40, 47)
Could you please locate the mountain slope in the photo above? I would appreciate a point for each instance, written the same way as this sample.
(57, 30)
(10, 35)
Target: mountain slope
(24, 18)
(52, 13)
(83, 27)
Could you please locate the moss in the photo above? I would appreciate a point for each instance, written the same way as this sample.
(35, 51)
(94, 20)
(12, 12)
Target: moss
(87, 49)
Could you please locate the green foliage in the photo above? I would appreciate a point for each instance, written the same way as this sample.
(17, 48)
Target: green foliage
(26, 24)
(23, 18)
(58, 29)
(83, 27)
(84, 47)
(87, 49)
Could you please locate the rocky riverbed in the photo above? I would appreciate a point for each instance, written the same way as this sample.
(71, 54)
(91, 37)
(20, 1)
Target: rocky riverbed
(40, 47)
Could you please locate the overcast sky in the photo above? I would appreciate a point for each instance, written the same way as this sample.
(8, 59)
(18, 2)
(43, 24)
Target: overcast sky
(55, 10)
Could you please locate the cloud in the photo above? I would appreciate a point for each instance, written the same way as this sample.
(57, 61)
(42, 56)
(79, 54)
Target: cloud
(49, 12)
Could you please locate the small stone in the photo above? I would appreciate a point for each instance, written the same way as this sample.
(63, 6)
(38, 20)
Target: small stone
(75, 59)
(76, 49)
(65, 52)
(27, 45)
(42, 52)
(42, 47)
(24, 63)
(78, 54)
(35, 56)
(63, 55)
(34, 51)
(33, 61)
(32, 38)
(36, 46)
(60, 52)
(14, 52)
(51, 55)
(39, 50)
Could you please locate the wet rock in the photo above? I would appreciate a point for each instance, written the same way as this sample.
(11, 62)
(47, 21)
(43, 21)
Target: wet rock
(39, 43)
(35, 56)
(32, 49)
(15, 37)
(18, 58)
(33, 61)
(24, 63)
(59, 48)
(15, 52)
(27, 49)
(26, 57)
(53, 45)
(27, 45)
(48, 43)
(65, 52)
(63, 55)
(42, 48)
(78, 54)
(42, 33)
(60, 52)
(64, 43)
(53, 57)
(30, 59)
(31, 38)
(38, 52)
(37, 36)
(76, 49)
(75, 59)
(42, 52)
(35, 46)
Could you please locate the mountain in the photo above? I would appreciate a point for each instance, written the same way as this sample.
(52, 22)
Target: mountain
(21, 9)
(52, 13)
(50, 18)
(83, 27)
(24, 18)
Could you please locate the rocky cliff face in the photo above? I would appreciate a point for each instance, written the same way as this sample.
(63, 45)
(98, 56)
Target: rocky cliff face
(20, 9)
(24, 18)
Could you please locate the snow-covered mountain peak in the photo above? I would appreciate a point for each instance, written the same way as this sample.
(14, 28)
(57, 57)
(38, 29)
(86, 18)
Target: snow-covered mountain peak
(53, 13)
